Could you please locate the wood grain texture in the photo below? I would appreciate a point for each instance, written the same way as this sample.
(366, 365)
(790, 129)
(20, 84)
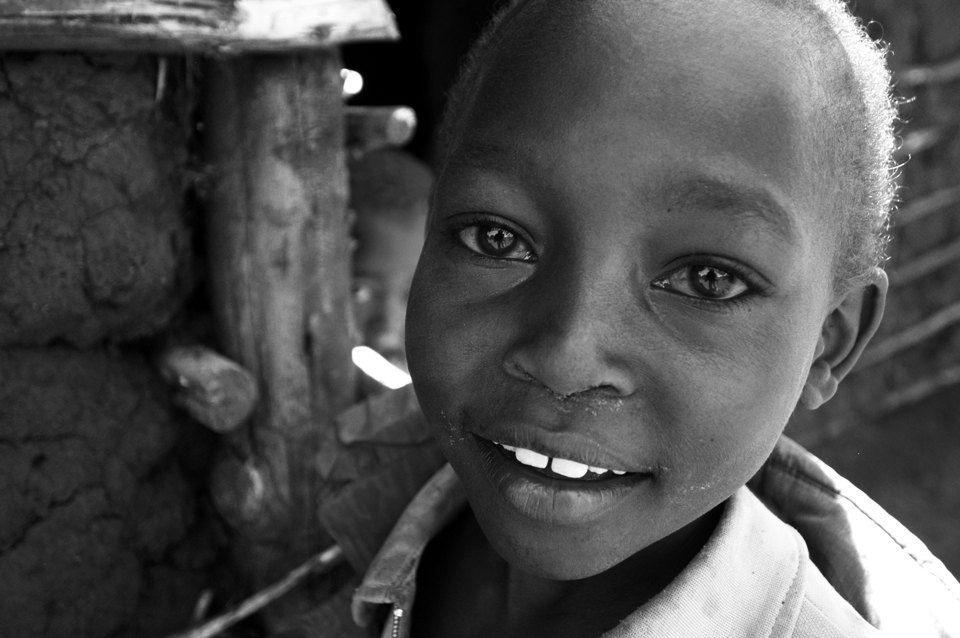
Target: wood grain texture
(279, 252)
(191, 26)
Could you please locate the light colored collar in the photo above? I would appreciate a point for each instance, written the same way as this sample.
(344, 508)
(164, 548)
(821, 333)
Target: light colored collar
(391, 578)
(747, 580)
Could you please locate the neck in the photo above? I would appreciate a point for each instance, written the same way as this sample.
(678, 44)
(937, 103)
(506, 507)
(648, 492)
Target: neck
(597, 603)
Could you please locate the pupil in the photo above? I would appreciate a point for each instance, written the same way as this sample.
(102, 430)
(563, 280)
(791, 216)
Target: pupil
(497, 240)
(713, 281)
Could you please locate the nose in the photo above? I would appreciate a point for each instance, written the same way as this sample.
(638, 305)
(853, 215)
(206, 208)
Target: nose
(572, 338)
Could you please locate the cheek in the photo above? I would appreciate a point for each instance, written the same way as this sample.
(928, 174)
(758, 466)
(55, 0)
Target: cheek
(731, 398)
(444, 345)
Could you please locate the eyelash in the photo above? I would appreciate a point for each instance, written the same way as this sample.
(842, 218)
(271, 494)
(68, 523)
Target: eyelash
(753, 284)
(475, 223)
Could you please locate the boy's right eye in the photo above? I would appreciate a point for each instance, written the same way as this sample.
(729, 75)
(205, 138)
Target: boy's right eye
(495, 241)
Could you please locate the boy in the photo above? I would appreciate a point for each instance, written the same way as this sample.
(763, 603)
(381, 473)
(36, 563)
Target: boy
(656, 231)
(389, 193)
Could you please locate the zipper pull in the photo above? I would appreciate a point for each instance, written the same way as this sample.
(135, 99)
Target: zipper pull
(397, 617)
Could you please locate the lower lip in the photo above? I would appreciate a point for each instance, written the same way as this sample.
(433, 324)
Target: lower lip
(554, 501)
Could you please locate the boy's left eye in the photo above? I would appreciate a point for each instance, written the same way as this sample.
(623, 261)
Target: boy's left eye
(703, 282)
(493, 240)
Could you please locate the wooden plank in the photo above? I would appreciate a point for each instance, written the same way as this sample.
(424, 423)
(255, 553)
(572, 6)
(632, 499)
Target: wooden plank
(191, 26)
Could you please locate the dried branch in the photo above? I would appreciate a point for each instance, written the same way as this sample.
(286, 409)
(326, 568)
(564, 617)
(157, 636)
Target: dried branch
(941, 73)
(921, 389)
(372, 127)
(936, 201)
(319, 563)
(926, 264)
(911, 336)
(920, 140)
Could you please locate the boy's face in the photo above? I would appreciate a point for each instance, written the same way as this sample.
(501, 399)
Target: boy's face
(627, 267)
(387, 250)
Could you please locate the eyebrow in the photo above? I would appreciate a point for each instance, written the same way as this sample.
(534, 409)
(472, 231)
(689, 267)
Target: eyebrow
(481, 154)
(705, 192)
(740, 200)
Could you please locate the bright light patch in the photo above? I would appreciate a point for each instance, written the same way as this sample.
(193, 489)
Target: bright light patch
(378, 368)
(352, 82)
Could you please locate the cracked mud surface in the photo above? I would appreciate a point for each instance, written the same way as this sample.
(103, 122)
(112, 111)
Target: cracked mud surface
(102, 532)
(93, 244)
(103, 529)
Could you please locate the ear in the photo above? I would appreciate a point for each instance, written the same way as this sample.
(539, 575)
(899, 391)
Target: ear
(846, 331)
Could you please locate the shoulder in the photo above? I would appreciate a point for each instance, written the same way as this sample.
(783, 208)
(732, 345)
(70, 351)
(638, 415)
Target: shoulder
(824, 613)
(875, 564)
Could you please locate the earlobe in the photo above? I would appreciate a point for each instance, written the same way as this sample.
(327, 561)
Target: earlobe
(846, 331)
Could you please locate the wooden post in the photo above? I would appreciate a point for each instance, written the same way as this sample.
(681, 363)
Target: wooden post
(280, 269)
(279, 249)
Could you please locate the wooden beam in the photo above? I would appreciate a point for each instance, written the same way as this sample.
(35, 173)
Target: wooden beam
(279, 254)
(191, 26)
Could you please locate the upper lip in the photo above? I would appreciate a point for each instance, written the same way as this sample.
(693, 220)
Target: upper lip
(572, 446)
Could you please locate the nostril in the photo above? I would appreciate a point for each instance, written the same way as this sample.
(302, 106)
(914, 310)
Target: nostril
(566, 389)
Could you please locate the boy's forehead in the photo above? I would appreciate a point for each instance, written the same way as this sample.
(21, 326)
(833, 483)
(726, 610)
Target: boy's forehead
(608, 55)
(636, 62)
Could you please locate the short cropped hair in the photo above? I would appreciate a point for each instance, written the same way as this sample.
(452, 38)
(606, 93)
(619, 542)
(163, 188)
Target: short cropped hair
(859, 122)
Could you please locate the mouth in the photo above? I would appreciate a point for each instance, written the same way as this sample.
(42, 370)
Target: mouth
(556, 467)
(554, 489)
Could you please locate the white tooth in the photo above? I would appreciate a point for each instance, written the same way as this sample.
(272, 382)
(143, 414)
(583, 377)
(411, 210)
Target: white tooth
(531, 458)
(599, 470)
(618, 472)
(509, 448)
(570, 469)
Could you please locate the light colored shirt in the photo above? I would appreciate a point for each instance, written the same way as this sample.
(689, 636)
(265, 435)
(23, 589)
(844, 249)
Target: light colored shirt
(801, 552)
(753, 578)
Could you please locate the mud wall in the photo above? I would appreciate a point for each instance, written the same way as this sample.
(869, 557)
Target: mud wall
(103, 530)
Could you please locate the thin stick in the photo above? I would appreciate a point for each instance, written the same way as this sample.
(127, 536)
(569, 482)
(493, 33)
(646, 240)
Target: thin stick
(932, 74)
(920, 140)
(911, 336)
(921, 389)
(371, 127)
(322, 561)
(926, 264)
(919, 208)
